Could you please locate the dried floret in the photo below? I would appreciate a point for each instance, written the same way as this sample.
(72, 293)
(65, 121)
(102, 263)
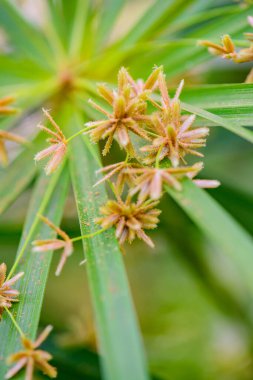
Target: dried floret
(54, 244)
(30, 358)
(130, 218)
(57, 148)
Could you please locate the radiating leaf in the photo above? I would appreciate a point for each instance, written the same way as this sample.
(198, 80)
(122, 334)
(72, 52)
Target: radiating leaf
(232, 101)
(48, 199)
(109, 10)
(118, 334)
(161, 13)
(24, 36)
(219, 227)
(17, 176)
(230, 125)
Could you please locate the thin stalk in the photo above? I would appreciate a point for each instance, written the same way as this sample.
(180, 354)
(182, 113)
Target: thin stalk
(88, 235)
(14, 322)
(77, 134)
(157, 161)
(152, 134)
(48, 194)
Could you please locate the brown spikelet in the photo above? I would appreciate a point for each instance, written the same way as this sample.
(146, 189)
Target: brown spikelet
(55, 244)
(31, 357)
(128, 114)
(7, 293)
(130, 219)
(58, 145)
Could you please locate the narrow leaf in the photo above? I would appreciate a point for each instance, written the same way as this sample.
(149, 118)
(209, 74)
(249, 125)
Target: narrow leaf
(153, 19)
(16, 177)
(217, 120)
(49, 199)
(232, 101)
(117, 329)
(219, 226)
(108, 15)
(24, 36)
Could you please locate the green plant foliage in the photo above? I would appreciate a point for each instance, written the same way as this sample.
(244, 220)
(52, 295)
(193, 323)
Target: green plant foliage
(56, 65)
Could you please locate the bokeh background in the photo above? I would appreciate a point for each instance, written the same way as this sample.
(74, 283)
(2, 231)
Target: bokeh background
(195, 315)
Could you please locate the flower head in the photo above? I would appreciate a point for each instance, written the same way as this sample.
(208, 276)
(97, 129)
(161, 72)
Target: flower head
(7, 293)
(226, 49)
(5, 108)
(8, 136)
(54, 244)
(128, 113)
(151, 180)
(176, 136)
(57, 148)
(30, 357)
(130, 219)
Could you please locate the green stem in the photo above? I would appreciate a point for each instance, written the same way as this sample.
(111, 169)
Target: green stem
(14, 322)
(127, 157)
(89, 235)
(157, 160)
(152, 134)
(43, 205)
(77, 134)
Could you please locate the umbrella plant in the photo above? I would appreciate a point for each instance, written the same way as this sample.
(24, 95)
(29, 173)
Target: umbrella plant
(86, 83)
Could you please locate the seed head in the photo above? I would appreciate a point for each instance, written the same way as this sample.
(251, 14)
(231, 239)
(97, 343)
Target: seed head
(226, 49)
(176, 135)
(130, 219)
(7, 293)
(54, 244)
(128, 113)
(151, 180)
(30, 357)
(58, 146)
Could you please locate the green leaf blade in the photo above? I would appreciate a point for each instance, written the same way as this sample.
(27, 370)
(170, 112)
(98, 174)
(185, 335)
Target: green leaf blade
(49, 198)
(219, 226)
(221, 121)
(118, 334)
(25, 37)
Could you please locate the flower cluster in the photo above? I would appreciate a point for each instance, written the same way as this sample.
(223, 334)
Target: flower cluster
(30, 357)
(157, 158)
(128, 114)
(55, 244)
(58, 145)
(227, 48)
(130, 218)
(7, 293)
